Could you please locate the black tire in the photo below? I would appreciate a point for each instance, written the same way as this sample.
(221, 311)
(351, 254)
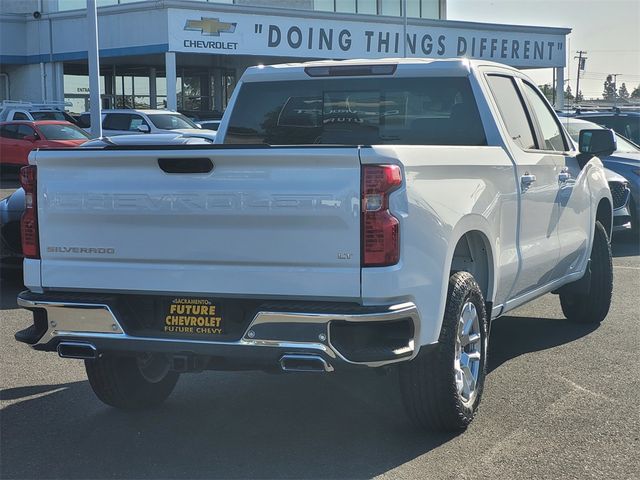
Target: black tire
(118, 382)
(592, 305)
(428, 383)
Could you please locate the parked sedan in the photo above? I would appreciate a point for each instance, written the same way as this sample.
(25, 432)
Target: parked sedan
(210, 124)
(18, 138)
(624, 161)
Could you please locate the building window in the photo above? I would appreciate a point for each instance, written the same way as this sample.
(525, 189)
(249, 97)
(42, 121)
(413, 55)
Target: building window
(324, 5)
(415, 8)
(346, 6)
(390, 7)
(368, 7)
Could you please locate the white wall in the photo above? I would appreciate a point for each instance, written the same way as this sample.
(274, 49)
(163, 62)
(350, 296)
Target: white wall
(24, 82)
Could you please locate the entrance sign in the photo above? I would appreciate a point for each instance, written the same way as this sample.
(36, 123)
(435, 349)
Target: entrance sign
(241, 34)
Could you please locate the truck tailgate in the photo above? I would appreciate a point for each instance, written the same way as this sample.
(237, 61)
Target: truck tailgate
(263, 222)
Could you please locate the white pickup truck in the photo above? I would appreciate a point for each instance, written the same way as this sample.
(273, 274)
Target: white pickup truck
(351, 214)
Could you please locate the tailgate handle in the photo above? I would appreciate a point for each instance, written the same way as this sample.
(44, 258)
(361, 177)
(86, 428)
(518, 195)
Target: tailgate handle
(185, 165)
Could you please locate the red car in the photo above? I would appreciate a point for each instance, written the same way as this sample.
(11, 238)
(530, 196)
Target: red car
(17, 139)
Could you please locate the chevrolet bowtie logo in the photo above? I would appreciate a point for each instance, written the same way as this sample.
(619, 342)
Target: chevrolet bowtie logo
(210, 26)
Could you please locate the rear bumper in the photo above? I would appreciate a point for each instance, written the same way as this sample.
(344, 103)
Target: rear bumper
(370, 336)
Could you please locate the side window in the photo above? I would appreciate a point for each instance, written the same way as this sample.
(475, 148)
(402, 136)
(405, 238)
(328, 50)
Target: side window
(25, 131)
(20, 116)
(512, 110)
(549, 126)
(85, 121)
(136, 121)
(117, 121)
(9, 131)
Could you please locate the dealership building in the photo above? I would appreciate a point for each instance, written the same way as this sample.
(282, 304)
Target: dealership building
(187, 55)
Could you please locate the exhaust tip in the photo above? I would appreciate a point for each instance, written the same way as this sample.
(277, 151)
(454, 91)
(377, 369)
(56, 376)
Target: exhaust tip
(304, 363)
(83, 351)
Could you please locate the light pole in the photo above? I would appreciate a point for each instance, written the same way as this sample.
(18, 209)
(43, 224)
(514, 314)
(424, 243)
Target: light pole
(94, 70)
(404, 30)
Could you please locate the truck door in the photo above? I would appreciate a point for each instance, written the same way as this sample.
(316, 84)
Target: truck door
(574, 216)
(537, 174)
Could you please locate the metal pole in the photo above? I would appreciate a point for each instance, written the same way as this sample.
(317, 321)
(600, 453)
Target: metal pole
(404, 30)
(579, 57)
(171, 77)
(559, 88)
(94, 70)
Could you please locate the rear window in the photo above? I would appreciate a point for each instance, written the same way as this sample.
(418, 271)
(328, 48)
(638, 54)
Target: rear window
(358, 111)
(49, 115)
(626, 125)
(168, 121)
(63, 132)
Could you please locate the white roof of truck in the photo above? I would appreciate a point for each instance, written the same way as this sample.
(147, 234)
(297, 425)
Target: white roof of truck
(405, 66)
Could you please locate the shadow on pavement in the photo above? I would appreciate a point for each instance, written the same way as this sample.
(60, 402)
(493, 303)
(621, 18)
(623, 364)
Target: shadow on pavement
(239, 425)
(23, 392)
(625, 245)
(515, 336)
(216, 425)
(9, 290)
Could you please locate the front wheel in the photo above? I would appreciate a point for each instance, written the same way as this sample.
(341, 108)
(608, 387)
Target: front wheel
(131, 383)
(441, 388)
(592, 304)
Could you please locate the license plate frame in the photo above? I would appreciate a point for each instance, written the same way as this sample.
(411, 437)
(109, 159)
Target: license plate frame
(192, 316)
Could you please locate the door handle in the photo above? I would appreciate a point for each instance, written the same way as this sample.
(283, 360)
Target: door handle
(526, 180)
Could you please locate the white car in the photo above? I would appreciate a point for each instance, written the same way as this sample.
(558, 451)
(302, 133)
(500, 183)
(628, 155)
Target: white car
(209, 124)
(355, 214)
(132, 122)
(15, 110)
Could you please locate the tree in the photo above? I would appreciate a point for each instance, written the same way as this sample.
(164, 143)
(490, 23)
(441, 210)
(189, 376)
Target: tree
(609, 92)
(579, 97)
(568, 94)
(547, 91)
(636, 92)
(623, 93)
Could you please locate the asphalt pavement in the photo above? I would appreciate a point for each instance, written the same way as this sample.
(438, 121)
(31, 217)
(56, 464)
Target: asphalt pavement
(560, 402)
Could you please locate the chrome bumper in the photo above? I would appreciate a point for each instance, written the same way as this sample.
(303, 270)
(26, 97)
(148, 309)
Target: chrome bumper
(96, 324)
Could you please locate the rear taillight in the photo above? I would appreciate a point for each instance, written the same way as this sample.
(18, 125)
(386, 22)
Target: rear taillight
(380, 229)
(29, 221)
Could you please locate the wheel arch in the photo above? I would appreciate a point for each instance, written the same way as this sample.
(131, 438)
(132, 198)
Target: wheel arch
(473, 254)
(604, 214)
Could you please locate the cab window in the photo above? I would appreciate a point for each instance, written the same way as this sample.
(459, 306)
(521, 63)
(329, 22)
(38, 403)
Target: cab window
(512, 110)
(549, 126)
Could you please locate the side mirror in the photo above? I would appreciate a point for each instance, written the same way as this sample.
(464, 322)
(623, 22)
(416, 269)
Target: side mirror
(30, 138)
(597, 142)
(143, 128)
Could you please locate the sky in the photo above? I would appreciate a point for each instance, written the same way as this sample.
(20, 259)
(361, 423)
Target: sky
(609, 30)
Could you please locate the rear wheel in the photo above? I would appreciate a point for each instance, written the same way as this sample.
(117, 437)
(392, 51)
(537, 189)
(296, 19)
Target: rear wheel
(131, 382)
(441, 388)
(592, 305)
